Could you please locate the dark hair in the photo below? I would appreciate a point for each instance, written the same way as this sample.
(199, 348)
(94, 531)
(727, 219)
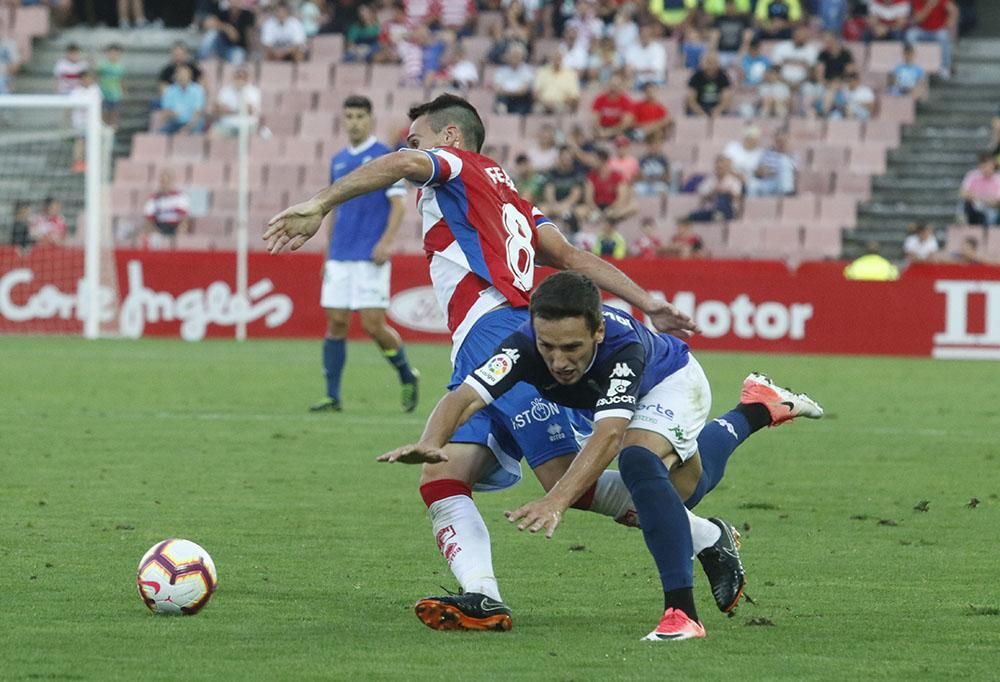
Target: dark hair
(985, 156)
(602, 154)
(181, 44)
(72, 47)
(358, 102)
(114, 46)
(448, 108)
(521, 158)
(568, 294)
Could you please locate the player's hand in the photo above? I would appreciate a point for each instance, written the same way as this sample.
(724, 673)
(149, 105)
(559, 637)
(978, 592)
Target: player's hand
(382, 252)
(293, 227)
(414, 454)
(538, 515)
(669, 320)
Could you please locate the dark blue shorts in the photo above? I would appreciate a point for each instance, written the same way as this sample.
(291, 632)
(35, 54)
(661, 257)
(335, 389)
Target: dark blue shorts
(521, 424)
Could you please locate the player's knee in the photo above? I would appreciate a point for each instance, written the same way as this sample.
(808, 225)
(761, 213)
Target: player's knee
(337, 327)
(636, 462)
(372, 324)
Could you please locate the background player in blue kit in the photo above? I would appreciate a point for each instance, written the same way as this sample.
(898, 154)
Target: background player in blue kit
(357, 271)
(650, 399)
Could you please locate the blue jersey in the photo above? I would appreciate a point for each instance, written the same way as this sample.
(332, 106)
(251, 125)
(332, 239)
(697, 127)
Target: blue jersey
(362, 221)
(628, 363)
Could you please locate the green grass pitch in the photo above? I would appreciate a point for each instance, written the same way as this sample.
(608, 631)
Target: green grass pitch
(107, 447)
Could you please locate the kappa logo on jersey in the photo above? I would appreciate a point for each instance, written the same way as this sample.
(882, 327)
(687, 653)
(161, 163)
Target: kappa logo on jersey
(622, 371)
(512, 353)
(495, 369)
(618, 386)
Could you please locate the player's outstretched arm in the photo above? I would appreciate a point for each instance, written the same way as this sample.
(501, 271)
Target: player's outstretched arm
(554, 250)
(295, 225)
(451, 412)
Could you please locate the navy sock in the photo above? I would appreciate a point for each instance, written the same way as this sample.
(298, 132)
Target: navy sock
(664, 524)
(719, 440)
(397, 358)
(334, 358)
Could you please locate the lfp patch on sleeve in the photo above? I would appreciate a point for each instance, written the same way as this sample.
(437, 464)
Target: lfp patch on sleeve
(495, 369)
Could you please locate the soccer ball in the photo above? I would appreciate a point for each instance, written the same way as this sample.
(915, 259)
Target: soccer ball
(176, 577)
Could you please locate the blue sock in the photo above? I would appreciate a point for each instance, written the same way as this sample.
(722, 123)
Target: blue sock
(397, 358)
(719, 440)
(664, 524)
(334, 358)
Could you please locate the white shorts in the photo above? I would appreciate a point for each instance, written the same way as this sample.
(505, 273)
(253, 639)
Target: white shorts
(355, 285)
(677, 408)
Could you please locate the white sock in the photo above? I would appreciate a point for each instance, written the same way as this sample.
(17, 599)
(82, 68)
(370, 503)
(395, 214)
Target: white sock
(465, 544)
(611, 497)
(704, 533)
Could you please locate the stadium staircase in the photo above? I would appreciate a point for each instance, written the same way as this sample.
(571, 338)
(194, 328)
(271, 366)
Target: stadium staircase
(923, 174)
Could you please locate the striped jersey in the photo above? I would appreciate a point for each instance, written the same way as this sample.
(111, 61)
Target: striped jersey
(479, 237)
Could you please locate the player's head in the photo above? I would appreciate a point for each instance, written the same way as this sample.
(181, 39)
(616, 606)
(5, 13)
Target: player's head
(566, 316)
(182, 75)
(447, 120)
(357, 118)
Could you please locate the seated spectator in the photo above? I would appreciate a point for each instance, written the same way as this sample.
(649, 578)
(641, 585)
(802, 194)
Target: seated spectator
(934, 20)
(813, 94)
(872, 267)
(557, 87)
(362, 39)
(457, 16)
(179, 56)
(604, 63)
(684, 243)
(652, 120)
(774, 97)
(648, 245)
(583, 148)
(731, 32)
(166, 213)
(49, 227)
(776, 171)
(720, 194)
(10, 63)
(709, 90)
(283, 35)
(834, 57)
(980, 192)
(184, 104)
(622, 161)
(20, 234)
(654, 170)
(921, 245)
(68, 69)
(853, 99)
(133, 7)
(887, 19)
(694, 45)
(610, 242)
(795, 57)
(110, 73)
(968, 253)
(584, 239)
(588, 23)
(562, 193)
(456, 70)
(906, 77)
(529, 182)
(606, 194)
(503, 39)
(754, 64)
(513, 83)
(646, 60)
(575, 56)
(312, 15)
(545, 153)
(227, 33)
(777, 18)
(745, 154)
(87, 86)
(624, 30)
(231, 100)
(613, 110)
(421, 53)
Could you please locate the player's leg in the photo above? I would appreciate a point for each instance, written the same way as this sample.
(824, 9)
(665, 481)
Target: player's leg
(335, 297)
(371, 298)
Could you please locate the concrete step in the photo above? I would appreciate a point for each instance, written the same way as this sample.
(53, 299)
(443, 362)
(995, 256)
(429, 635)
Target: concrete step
(131, 40)
(978, 48)
(929, 134)
(925, 212)
(959, 105)
(951, 91)
(945, 119)
(922, 185)
(893, 196)
(937, 157)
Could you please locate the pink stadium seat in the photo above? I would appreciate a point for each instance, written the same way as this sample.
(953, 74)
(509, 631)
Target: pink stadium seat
(403, 97)
(187, 148)
(927, 55)
(270, 101)
(868, 159)
(783, 240)
(123, 199)
(829, 157)
(876, 80)
(327, 48)
(822, 240)
(149, 146)
(217, 226)
(386, 74)
(298, 100)
(652, 206)
(899, 109)
(480, 98)
(477, 47)
(195, 242)
(744, 239)
(210, 173)
(317, 176)
(31, 21)
(132, 172)
(535, 122)
(302, 149)
(858, 50)
(855, 184)
(708, 150)
(886, 133)
(270, 201)
(504, 129)
(487, 20)
(287, 171)
(223, 148)
(681, 152)
(843, 131)
(317, 124)
(712, 237)
(544, 49)
(225, 200)
(799, 210)
(691, 128)
(728, 129)
(884, 56)
(680, 205)
(957, 234)
(282, 124)
(760, 209)
(265, 148)
(838, 209)
(817, 181)
(348, 77)
(992, 246)
(805, 129)
(280, 74)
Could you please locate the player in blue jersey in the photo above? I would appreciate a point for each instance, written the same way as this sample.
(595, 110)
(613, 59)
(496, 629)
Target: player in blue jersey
(649, 400)
(356, 273)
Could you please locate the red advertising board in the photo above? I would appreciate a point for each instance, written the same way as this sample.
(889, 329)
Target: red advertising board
(933, 310)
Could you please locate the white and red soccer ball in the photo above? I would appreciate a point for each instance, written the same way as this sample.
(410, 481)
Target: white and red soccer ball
(176, 577)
